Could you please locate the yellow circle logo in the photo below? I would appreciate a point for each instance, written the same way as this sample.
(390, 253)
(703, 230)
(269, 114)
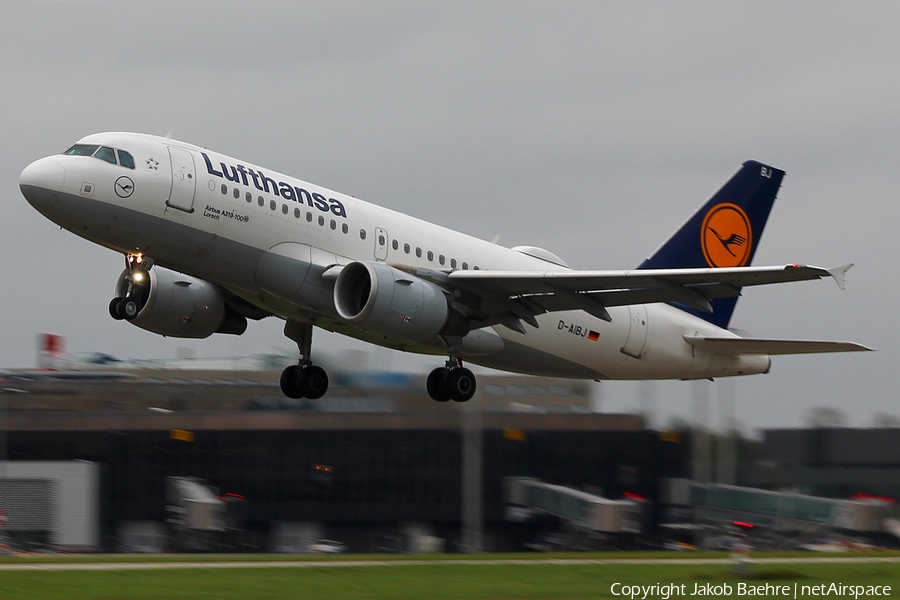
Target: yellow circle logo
(726, 236)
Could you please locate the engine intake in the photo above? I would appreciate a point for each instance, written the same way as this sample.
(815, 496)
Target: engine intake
(178, 305)
(387, 301)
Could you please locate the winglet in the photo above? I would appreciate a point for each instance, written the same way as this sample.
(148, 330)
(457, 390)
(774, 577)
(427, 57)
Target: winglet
(839, 274)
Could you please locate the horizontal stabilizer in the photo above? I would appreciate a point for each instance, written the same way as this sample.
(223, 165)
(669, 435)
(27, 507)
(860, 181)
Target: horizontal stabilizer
(735, 346)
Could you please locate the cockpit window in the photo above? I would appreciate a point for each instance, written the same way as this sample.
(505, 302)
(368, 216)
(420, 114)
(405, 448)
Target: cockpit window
(81, 150)
(125, 159)
(106, 153)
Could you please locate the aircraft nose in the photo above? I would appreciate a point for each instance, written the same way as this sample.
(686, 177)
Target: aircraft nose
(41, 180)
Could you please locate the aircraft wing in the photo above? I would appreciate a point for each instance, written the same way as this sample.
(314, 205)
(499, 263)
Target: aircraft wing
(528, 293)
(733, 346)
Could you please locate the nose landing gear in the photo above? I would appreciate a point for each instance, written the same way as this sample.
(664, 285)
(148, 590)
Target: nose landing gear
(130, 304)
(303, 380)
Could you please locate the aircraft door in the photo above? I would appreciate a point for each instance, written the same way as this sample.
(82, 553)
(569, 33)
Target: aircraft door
(381, 244)
(184, 180)
(637, 331)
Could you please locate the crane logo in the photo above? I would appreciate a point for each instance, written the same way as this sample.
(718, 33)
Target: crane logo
(726, 236)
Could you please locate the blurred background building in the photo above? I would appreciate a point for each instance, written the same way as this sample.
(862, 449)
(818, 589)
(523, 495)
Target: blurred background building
(208, 455)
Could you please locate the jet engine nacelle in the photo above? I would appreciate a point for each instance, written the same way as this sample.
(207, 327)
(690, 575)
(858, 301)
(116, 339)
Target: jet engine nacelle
(389, 302)
(178, 305)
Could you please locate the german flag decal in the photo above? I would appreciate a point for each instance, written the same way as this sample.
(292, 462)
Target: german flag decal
(593, 335)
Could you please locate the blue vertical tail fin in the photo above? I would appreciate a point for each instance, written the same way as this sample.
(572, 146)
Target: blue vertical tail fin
(725, 232)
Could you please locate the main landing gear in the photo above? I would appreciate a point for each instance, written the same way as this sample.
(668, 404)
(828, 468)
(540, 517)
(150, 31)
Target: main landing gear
(453, 381)
(128, 305)
(303, 380)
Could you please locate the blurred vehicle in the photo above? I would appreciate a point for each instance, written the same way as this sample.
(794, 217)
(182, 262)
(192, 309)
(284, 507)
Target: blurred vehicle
(328, 547)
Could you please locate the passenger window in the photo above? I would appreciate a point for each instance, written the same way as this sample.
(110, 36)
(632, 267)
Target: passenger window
(476, 268)
(333, 224)
(362, 234)
(430, 256)
(272, 204)
(81, 150)
(284, 209)
(261, 201)
(237, 193)
(344, 228)
(249, 197)
(106, 153)
(321, 220)
(395, 244)
(381, 240)
(296, 213)
(406, 248)
(125, 159)
(441, 259)
(418, 252)
(452, 263)
(309, 217)
(224, 189)
(465, 266)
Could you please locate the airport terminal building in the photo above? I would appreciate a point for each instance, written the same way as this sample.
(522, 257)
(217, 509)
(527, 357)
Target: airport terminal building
(375, 464)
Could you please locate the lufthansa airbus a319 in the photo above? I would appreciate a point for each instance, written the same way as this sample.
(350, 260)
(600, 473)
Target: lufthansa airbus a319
(211, 242)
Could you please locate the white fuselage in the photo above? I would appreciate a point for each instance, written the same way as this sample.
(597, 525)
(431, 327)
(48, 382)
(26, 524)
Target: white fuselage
(219, 219)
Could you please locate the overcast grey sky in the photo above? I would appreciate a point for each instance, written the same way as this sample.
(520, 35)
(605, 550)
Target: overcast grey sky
(593, 129)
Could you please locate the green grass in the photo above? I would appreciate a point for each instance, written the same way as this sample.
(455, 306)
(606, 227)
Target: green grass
(431, 581)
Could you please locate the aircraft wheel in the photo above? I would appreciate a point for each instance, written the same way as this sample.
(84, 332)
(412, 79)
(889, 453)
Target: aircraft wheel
(461, 384)
(114, 311)
(435, 384)
(290, 382)
(313, 381)
(129, 308)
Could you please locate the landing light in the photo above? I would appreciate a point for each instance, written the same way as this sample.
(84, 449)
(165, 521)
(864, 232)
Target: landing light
(138, 277)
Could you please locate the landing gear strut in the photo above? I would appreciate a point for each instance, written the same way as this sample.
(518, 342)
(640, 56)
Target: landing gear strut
(453, 381)
(303, 380)
(130, 304)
